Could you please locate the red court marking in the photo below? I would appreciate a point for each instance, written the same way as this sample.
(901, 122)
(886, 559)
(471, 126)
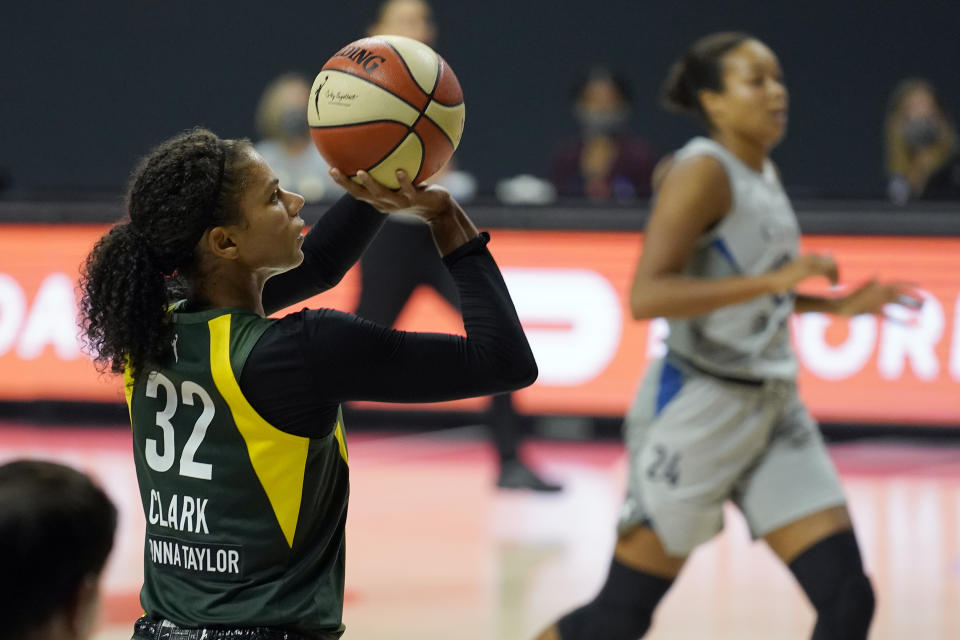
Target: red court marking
(120, 608)
(904, 494)
(873, 460)
(22, 434)
(547, 325)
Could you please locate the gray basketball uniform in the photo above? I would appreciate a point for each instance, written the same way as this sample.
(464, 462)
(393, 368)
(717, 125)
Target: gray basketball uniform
(718, 418)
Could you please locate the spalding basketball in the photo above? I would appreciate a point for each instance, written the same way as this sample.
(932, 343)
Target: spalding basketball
(386, 103)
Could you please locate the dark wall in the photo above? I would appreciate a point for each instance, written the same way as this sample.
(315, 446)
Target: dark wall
(88, 87)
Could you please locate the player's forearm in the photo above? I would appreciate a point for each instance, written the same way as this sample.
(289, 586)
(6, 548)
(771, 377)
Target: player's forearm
(675, 296)
(340, 237)
(451, 229)
(805, 304)
(333, 245)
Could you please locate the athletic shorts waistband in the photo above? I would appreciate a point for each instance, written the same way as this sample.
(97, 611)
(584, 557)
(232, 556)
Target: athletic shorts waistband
(154, 629)
(673, 356)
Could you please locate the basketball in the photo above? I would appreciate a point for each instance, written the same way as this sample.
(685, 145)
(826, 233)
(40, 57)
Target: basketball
(386, 103)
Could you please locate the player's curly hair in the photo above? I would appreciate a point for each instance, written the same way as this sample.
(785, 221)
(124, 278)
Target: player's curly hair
(188, 184)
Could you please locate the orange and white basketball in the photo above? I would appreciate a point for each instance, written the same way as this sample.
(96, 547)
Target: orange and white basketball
(385, 103)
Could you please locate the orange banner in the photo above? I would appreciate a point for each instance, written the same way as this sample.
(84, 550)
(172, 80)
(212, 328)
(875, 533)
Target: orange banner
(570, 288)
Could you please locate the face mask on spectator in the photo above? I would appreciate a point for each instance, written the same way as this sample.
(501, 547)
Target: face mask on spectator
(921, 132)
(602, 123)
(293, 123)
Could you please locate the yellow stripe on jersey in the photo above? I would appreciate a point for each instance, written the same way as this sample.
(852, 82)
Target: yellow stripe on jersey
(338, 434)
(128, 388)
(279, 459)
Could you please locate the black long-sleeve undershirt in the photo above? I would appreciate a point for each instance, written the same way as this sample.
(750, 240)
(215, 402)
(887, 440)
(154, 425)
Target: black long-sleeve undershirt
(310, 361)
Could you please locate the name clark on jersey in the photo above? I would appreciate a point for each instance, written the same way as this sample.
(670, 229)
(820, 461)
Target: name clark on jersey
(186, 514)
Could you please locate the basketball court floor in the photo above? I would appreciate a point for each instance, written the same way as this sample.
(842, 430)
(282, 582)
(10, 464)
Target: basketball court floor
(434, 552)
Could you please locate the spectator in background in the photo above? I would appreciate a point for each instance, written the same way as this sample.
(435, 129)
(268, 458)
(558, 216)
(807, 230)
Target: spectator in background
(56, 531)
(285, 139)
(414, 19)
(605, 161)
(921, 141)
(399, 260)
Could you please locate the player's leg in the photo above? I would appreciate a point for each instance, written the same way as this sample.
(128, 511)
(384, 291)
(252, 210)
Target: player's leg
(504, 426)
(794, 500)
(640, 574)
(388, 275)
(502, 419)
(505, 431)
(689, 440)
(821, 551)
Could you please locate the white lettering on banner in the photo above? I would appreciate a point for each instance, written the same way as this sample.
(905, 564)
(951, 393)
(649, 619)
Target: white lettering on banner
(955, 349)
(834, 362)
(912, 335)
(52, 320)
(581, 317)
(657, 334)
(13, 306)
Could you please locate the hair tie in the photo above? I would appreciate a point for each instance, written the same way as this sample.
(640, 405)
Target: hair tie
(163, 264)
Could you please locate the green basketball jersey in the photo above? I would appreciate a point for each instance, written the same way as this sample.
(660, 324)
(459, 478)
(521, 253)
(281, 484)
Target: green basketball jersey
(245, 523)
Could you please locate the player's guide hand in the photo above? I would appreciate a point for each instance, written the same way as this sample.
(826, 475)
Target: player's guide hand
(424, 201)
(873, 296)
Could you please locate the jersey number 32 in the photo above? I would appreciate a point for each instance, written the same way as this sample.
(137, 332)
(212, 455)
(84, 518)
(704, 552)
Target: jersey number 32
(163, 459)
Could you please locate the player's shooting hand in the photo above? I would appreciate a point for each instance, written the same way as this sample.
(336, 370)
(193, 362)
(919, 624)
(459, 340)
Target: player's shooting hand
(424, 201)
(813, 264)
(872, 296)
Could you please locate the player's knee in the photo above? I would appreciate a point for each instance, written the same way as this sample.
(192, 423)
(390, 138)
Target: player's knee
(857, 602)
(831, 573)
(622, 610)
(600, 621)
(848, 615)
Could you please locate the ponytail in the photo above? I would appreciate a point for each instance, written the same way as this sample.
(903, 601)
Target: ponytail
(678, 93)
(123, 301)
(187, 185)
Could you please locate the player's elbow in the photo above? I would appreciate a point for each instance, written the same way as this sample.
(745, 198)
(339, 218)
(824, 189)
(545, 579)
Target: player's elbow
(527, 374)
(650, 297)
(642, 305)
(329, 278)
(521, 371)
